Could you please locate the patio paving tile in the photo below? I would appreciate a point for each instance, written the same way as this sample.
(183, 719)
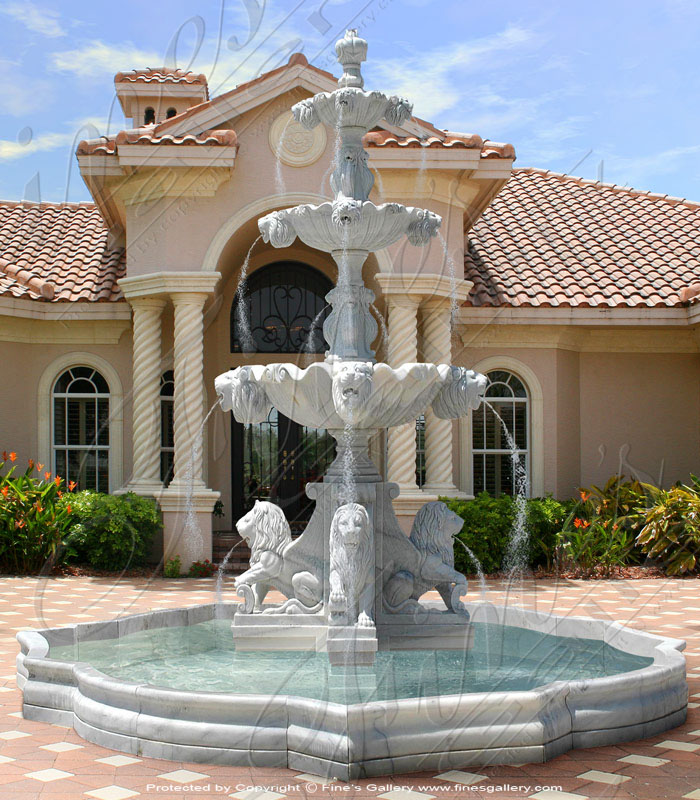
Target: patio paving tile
(652, 768)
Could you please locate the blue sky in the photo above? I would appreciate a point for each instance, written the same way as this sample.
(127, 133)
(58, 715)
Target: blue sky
(589, 88)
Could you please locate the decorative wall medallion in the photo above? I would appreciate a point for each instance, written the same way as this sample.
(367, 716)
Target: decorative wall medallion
(295, 145)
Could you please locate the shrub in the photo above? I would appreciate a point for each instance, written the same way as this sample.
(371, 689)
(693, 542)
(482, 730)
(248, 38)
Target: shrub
(488, 522)
(671, 527)
(33, 519)
(594, 548)
(599, 534)
(113, 532)
(172, 567)
(202, 569)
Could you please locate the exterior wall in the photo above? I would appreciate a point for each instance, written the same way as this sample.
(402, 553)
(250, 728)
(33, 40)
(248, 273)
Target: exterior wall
(23, 367)
(607, 412)
(640, 416)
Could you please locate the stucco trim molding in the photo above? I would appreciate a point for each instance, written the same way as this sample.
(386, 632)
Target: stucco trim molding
(423, 285)
(166, 283)
(116, 410)
(536, 443)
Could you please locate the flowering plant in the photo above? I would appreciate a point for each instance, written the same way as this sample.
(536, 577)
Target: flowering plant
(202, 569)
(34, 520)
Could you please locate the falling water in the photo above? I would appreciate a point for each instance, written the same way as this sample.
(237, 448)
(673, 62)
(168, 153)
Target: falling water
(309, 348)
(477, 567)
(348, 486)
(380, 184)
(515, 559)
(242, 320)
(192, 534)
(279, 178)
(452, 271)
(222, 569)
(382, 325)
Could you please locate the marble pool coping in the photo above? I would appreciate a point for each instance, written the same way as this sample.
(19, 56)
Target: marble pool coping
(357, 740)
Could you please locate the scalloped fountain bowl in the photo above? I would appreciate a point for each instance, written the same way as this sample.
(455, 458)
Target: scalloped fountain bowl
(170, 684)
(330, 395)
(349, 225)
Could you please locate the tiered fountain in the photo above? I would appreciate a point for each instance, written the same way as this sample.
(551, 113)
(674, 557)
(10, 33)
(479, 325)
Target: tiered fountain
(352, 675)
(352, 579)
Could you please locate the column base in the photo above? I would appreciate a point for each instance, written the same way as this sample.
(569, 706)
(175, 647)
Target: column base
(444, 490)
(143, 488)
(407, 505)
(187, 523)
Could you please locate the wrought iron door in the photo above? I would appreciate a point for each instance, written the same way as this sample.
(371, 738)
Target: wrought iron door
(274, 460)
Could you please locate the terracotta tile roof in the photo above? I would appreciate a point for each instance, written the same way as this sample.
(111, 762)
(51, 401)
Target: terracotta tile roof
(552, 240)
(148, 135)
(58, 252)
(160, 75)
(469, 141)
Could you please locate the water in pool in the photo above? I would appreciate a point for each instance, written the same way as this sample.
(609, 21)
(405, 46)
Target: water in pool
(202, 657)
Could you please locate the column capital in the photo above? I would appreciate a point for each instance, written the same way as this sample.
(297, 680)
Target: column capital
(152, 302)
(189, 298)
(168, 283)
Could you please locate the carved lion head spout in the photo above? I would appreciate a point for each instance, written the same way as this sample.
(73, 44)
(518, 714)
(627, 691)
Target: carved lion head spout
(463, 392)
(239, 392)
(352, 387)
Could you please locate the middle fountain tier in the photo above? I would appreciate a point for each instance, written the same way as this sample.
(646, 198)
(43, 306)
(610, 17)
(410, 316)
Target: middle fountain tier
(353, 579)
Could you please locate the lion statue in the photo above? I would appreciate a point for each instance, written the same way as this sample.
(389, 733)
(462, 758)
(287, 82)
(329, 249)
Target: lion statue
(267, 533)
(351, 389)
(351, 593)
(239, 391)
(433, 532)
(426, 561)
(462, 393)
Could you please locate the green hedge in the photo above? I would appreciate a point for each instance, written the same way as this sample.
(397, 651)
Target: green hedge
(112, 532)
(488, 522)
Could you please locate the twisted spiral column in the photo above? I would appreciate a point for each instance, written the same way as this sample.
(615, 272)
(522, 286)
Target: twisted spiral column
(146, 393)
(188, 411)
(437, 348)
(402, 349)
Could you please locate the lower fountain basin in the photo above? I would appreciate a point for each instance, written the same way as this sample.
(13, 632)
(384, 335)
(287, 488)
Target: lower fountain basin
(169, 684)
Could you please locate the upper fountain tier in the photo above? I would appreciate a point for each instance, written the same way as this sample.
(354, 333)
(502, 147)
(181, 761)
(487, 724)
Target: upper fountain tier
(350, 221)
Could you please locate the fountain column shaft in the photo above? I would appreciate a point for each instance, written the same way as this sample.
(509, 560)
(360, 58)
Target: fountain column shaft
(437, 348)
(147, 313)
(402, 349)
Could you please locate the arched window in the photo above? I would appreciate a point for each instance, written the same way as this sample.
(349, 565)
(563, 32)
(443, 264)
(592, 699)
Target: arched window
(81, 428)
(498, 425)
(149, 116)
(171, 112)
(167, 434)
(283, 310)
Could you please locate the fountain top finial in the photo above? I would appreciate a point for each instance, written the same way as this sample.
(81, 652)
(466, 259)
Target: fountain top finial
(351, 51)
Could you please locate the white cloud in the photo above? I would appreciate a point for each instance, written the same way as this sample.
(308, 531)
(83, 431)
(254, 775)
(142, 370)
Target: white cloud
(39, 20)
(435, 80)
(639, 172)
(96, 59)
(21, 94)
(52, 140)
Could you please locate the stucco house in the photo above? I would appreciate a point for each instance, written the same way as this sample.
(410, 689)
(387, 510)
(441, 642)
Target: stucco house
(577, 299)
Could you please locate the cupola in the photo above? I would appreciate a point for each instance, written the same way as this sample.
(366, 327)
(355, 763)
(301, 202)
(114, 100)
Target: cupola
(152, 95)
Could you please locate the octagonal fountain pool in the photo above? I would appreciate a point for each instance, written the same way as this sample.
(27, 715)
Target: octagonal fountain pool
(170, 684)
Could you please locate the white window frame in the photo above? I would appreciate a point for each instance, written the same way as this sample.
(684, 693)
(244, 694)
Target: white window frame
(535, 425)
(44, 407)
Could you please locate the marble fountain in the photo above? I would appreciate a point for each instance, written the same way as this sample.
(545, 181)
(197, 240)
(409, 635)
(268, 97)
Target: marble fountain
(352, 674)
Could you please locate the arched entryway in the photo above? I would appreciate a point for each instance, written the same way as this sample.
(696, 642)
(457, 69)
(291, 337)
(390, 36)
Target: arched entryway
(285, 307)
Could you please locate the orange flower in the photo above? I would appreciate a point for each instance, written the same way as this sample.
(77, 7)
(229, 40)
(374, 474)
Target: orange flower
(584, 495)
(5, 491)
(38, 507)
(31, 463)
(39, 467)
(578, 522)
(69, 509)
(60, 495)
(13, 456)
(20, 524)
(57, 480)
(585, 523)
(72, 486)
(47, 476)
